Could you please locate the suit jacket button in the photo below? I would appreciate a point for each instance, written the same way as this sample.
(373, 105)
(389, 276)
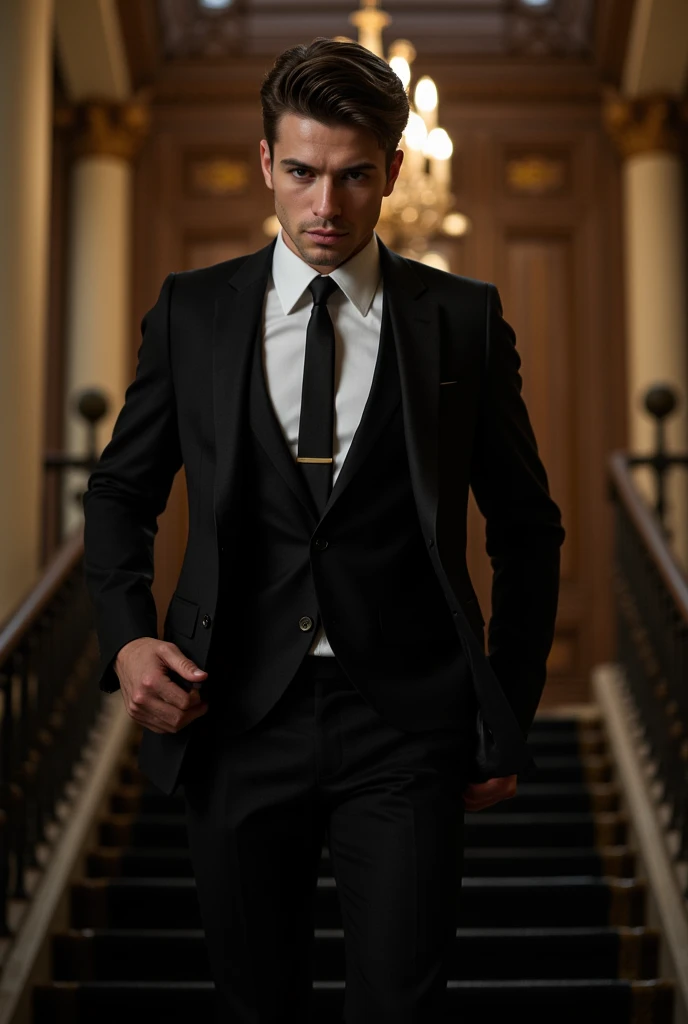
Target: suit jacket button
(305, 623)
(206, 622)
(320, 543)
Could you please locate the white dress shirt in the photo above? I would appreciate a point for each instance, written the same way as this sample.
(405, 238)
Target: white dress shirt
(356, 314)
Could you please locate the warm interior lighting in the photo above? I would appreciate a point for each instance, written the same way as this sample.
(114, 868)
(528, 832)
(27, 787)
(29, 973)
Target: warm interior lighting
(415, 132)
(456, 224)
(425, 96)
(435, 259)
(401, 67)
(438, 145)
(417, 209)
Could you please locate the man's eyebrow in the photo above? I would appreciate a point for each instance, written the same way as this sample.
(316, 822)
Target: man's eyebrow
(364, 165)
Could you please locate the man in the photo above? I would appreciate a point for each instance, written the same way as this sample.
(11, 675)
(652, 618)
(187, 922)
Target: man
(322, 672)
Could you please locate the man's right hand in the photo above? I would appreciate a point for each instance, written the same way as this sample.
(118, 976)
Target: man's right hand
(150, 696)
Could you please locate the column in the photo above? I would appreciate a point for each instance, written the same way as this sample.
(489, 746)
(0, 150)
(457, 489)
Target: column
(107, 138)
(26, 68)
(648, 132)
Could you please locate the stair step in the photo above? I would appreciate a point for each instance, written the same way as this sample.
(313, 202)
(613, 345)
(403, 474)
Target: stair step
(600, 1001)
(551, 768)
(175, 862)
(479, 954)
(526, 902)
(486, 902)
(558, 768)
(558, 743)
(138, 862)
(557, 723)
(551, 797)
(538, 1001)
(498, 828)
(532, 797)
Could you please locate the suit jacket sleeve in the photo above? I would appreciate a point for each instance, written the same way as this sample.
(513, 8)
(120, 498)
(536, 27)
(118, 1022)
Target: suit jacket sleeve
(126, 493)
(523, 524)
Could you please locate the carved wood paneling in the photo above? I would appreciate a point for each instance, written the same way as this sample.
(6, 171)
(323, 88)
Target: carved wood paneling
(538, 296)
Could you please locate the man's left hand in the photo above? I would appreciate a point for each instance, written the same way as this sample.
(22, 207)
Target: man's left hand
(478, 795)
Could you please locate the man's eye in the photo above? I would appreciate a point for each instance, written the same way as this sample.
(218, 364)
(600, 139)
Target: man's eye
(298, 171)
(356, 175)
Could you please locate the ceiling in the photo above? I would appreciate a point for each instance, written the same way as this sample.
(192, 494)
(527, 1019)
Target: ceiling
(471, 28)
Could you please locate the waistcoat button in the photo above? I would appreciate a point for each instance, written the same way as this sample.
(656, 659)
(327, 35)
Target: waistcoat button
(206, 622)
(305, 623)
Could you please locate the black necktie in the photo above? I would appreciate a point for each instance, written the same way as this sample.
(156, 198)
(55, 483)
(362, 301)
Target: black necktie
(316, 420)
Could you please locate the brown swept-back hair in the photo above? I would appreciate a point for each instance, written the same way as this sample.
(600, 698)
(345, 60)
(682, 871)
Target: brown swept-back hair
(336, 83)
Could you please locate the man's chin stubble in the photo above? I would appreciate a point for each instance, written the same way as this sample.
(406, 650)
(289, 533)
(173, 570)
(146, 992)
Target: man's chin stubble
(321, 257)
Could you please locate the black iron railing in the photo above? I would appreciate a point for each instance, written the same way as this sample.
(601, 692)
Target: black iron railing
(49, 699)
(652, 620)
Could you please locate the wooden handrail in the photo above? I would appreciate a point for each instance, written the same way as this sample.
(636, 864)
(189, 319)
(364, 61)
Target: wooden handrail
(649, 531)
(56, 572)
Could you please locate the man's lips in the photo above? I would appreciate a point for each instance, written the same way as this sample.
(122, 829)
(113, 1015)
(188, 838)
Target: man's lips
(325, 236)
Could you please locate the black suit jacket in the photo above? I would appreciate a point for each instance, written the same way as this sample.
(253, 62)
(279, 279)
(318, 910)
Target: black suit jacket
(465, 424)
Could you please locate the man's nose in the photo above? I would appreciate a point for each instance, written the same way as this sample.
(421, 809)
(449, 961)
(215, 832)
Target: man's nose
(325, 201)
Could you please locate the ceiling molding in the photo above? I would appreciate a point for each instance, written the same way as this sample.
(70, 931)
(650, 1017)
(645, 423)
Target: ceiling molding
(456, 28)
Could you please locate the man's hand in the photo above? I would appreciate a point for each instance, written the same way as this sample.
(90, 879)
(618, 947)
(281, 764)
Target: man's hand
(478, 795)
(150, 696)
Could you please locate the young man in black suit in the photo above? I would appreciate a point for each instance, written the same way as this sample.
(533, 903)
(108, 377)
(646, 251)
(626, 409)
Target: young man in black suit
(323, 671)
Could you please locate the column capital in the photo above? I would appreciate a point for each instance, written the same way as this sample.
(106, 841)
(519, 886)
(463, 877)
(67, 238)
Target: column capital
(100, 128)
(646, 124)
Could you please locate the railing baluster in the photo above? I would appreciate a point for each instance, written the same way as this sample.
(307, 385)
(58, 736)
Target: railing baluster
(48, 702)
(652, 615)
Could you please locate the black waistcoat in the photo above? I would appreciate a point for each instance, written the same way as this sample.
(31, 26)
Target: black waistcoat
(362, 571)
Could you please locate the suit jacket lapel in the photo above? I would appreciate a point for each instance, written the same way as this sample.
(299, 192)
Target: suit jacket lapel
(415, 326)
(237, 320)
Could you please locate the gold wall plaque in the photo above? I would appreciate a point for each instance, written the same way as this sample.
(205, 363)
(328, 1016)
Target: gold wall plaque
(217, 176)
(536, 174)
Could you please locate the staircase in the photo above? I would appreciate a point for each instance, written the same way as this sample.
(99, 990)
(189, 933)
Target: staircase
(552, 924)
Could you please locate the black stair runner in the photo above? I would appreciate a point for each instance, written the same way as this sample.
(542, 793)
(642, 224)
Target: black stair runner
(552, 921)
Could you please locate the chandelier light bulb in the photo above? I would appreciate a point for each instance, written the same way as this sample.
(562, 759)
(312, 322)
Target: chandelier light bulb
(456, 224)
(415, 133)
(401, 67)
(438, 145)
(425, 96)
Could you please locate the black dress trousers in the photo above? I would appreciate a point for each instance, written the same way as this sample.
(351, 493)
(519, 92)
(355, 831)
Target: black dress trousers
(323, 765)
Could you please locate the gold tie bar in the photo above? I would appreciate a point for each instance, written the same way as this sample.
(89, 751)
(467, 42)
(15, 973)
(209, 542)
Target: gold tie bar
(303, 459)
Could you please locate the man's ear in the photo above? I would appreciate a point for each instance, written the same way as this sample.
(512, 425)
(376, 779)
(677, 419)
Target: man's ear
(266, 163)
(393, 173)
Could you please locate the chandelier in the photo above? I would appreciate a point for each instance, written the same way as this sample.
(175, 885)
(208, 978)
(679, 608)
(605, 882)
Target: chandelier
(419, 207)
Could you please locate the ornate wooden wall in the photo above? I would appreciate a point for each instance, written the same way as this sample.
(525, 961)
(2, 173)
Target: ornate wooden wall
(538, 180)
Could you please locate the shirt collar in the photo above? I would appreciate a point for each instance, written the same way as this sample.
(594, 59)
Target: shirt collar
(358, 278)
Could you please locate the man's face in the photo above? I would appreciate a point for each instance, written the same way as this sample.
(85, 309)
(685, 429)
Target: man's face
(329, 182)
